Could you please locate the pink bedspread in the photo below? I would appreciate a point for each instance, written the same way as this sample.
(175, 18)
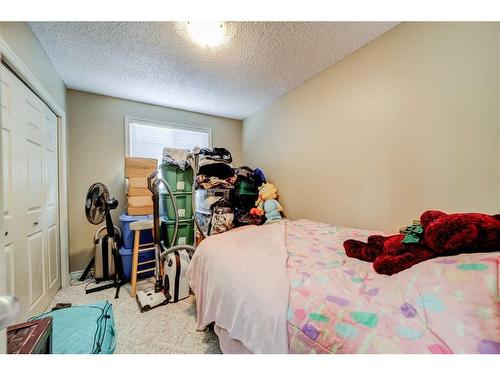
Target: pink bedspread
(321, 301)
(240, 282)
(341, 305)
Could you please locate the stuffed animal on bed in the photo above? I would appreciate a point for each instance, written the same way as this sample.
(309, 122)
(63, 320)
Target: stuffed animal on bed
(267, 203)
(439, 235)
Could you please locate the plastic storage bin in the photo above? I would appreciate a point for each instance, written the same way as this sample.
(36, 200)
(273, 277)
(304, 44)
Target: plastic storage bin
(180, 181)
(126, 255)
(185, 233)
(128, 235)
(184, 205)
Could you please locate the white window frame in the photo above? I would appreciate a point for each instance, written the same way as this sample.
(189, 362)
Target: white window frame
(160, 124)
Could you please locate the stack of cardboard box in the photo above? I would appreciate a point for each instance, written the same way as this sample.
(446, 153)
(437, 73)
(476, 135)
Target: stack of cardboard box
(137, 171)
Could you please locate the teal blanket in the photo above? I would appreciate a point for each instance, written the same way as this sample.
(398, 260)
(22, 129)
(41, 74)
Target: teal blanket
(85, 329)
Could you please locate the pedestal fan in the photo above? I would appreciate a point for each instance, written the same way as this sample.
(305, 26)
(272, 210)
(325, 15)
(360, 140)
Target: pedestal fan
(98, 206)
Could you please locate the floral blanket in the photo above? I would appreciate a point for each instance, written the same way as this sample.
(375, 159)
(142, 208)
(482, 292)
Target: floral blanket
(341, 305)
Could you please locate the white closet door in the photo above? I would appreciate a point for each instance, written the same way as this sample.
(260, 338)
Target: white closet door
(30, 199)
(8, 102)
(12, 239)
(51, 223)
(33, 202)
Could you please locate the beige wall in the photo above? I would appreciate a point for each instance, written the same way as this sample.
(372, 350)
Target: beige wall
(409, 122)
(97, 152)
(23, 42)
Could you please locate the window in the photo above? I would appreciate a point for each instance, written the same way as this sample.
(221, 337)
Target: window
(148, 138)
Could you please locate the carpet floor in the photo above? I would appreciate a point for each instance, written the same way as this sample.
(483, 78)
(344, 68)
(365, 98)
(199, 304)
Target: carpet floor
(165, 329)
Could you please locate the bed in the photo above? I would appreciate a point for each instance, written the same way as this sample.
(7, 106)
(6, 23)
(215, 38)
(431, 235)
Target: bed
(288, 287)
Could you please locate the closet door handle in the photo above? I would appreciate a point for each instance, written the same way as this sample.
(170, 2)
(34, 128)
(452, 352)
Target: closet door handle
(35, 223)
(6, 234)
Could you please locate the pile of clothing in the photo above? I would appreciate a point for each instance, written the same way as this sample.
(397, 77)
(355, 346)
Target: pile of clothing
(176, 156)
(215, 169)
(231, 192)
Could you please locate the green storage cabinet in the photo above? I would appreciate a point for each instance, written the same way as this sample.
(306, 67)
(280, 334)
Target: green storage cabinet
(184, 205)
(180, 181)
(185, 233)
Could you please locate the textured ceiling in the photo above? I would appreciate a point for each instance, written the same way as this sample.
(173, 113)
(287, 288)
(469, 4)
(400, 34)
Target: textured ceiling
(156, 62)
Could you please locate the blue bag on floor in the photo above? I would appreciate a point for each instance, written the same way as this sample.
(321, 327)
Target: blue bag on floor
(85, 329)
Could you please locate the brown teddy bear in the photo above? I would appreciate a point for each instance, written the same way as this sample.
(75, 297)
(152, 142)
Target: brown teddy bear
(441, 235)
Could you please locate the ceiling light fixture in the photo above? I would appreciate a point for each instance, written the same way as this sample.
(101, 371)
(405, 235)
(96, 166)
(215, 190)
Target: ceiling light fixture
(206, 34)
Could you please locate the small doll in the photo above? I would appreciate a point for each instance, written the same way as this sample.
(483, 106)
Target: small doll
(267, 203)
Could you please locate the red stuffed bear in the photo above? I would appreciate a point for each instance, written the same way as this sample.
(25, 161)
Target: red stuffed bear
(442, 235)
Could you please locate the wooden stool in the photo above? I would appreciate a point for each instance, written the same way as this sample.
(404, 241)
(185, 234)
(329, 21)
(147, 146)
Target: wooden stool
(137, 227)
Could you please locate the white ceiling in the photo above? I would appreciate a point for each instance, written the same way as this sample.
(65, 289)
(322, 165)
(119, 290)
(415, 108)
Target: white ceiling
(155, 62)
